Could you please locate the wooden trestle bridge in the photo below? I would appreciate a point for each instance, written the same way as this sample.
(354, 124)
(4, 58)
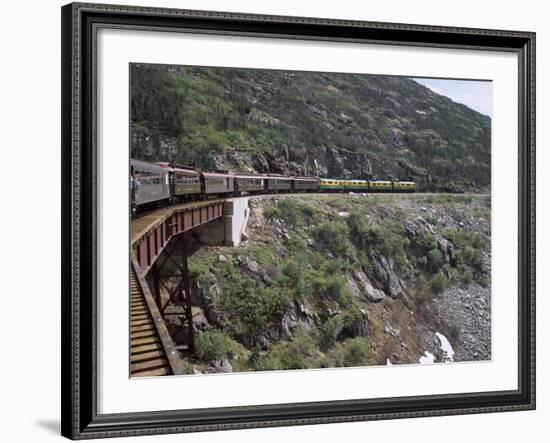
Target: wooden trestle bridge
(155, 235)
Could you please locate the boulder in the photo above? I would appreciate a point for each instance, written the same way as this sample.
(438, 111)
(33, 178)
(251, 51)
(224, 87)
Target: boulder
(386, 278)
(222, 365)
(200, 322)
(367, 289)
(288, 323)
(252, 266)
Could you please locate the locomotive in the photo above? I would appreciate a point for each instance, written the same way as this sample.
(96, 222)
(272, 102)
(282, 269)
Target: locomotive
(163, 183)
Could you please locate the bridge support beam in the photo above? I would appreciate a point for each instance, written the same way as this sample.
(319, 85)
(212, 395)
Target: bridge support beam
(185, 293)
(171, 272)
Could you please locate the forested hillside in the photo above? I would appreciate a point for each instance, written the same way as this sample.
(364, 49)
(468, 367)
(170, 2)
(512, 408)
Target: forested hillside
(324, 124)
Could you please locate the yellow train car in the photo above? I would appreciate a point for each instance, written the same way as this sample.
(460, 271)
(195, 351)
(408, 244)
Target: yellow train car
(404, 186)
(380, 186)
(327, 184)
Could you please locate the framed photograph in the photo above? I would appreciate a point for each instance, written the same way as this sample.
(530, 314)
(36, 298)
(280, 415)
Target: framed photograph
(274, 221)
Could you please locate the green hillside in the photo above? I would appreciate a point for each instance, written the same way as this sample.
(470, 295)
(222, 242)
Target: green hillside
(325, 124)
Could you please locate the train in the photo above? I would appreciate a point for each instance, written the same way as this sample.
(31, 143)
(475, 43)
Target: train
(163, 183)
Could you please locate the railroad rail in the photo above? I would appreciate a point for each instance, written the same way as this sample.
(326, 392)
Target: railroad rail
(152, 351)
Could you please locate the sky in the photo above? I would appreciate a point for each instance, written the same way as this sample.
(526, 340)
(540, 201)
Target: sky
(472, 93)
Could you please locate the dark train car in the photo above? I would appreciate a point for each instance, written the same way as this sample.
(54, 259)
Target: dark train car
(187, 182)
(249, 183)
(278, 183)
(150, 183)
(303, 184)
(217, 183)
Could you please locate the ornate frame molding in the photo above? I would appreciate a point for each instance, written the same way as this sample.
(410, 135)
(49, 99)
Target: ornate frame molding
(79, 391)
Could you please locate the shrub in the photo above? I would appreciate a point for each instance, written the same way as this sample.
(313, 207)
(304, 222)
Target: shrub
(356, 352)
(337, 266)
(248, 306)
(296, 278)
(333, 288)
(334, 236)
(387, 239)
(268, 363)
(352, 352)
(467, 277)
(468, 250)
(199, 268)
(435, 260)
(293, 270)
(291, 211)
(438, 284)
(329, 331)
(295, 354)
(211, 345)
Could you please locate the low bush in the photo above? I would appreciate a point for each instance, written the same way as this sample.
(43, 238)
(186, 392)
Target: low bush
(352, 352)
(329, 331)
(248, 306)
(356, 352)
(291, 211)
(268, 363)
(211, 345)
(438, 284)
(468, 251)
(467, 277)
(295, 277)
(296, 354)
(435, 260)
(334, 236)
(387, 239)
(333, 288)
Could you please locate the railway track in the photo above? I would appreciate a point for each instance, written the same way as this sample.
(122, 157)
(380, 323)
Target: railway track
(147, 354)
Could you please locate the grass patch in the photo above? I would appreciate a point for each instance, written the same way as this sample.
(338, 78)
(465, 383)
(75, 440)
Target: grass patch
(292, 211)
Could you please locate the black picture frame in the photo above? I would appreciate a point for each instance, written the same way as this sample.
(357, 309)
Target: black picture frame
(79, 170)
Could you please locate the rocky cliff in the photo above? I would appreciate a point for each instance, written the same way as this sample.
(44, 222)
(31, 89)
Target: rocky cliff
(306, 123)
(346, 280)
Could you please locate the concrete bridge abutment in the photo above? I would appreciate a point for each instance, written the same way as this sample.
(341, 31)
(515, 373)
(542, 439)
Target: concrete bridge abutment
(229, 229)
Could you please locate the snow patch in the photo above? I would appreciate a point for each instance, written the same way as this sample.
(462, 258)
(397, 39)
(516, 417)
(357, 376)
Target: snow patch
(446, 347)
(427, 358)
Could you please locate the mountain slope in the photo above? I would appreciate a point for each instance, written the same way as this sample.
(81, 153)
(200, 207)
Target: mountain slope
(337, 125)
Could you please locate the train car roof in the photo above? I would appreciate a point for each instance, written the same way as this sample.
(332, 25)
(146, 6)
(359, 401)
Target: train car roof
(306, 178)
(279, 177)
(249, 176)
(190, 171)
(145, 164)
(216, 174)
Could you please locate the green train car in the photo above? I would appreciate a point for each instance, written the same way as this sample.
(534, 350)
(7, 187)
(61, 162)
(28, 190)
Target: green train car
(340, 185)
